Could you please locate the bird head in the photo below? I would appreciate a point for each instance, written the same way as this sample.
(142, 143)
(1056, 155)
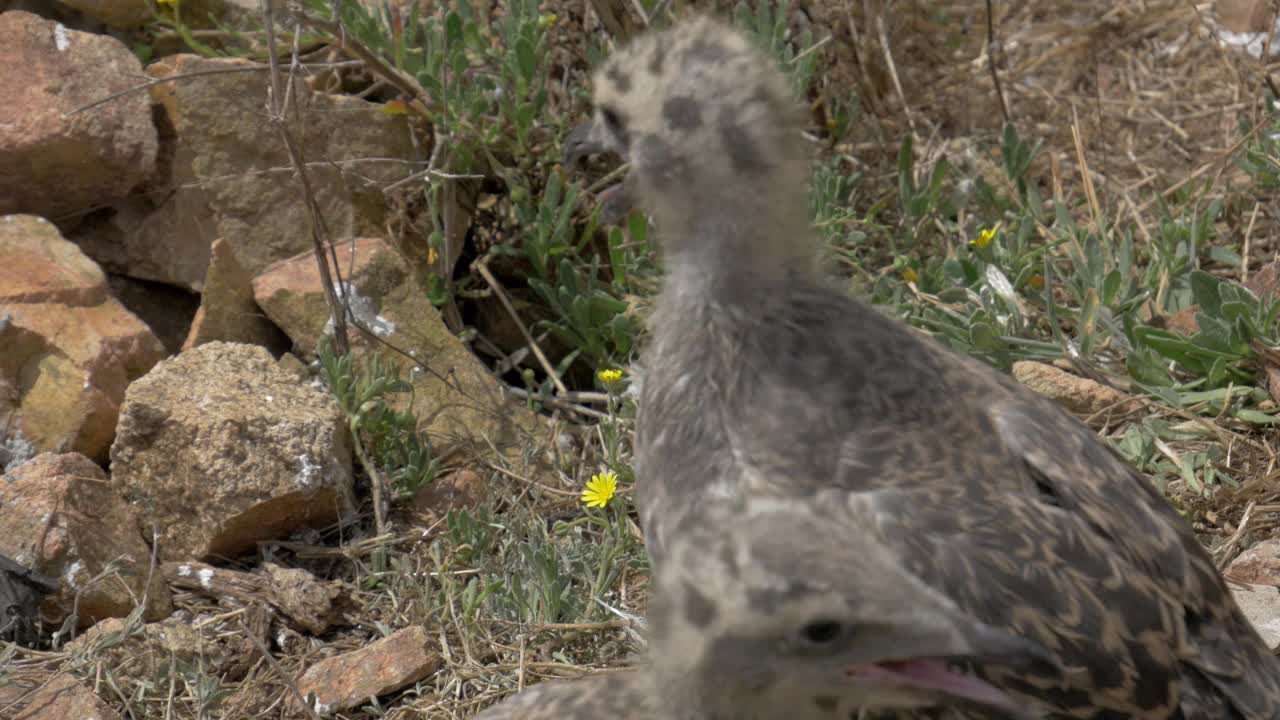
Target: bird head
(708, 125)
(786, 608)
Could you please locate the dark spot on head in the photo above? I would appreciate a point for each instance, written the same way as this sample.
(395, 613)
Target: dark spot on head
(760, 98)
(729, 560)
(620, 79)
(706, 52)
(655, 155)
(698, 609)
(826, 703)
(682, 113)
(657, 57)
(613, 124)
(740, 147)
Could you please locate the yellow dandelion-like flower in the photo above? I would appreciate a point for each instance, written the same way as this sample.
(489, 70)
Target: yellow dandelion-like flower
(609, 376)
(600, 489)
(984, 238)
(910, 275)
(546, 20)
(391, 107)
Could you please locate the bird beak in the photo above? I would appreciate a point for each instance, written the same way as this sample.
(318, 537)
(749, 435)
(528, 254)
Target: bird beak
(586, 139)
(583, 140)
(927, 666)
(989, 644)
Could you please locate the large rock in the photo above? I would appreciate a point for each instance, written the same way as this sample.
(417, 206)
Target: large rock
(59, 517)
(57, 163)
(70, 349)
(459, 402)
(231, 176)
(223, 449)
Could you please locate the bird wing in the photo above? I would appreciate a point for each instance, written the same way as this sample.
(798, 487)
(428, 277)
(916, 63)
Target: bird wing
(1130, 518)
(1092, 563)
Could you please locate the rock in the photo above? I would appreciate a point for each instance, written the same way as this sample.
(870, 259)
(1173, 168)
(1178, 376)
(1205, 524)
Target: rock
(57, 12)
(227, 310)
(65, 697)
(14, 450)
(464, 406)
(119, 14)
(456, 491)
(163, 244)
(57, 163)
(59, 517)
(1261, 604)
(1264, 283)
(1243, 16)
(349, 680)
(1259, 565)
(224, 449)
(231, 176)
(1081, 396)
(148, 654)
(291, 593)
(71, 349)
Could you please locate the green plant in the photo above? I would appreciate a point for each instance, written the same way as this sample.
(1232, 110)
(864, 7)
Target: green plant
(366, 393)
(586, 311)
(767, 23)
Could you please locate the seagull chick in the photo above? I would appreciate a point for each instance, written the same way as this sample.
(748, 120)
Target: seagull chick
(763, 381)
(624, 695)
(753, 620)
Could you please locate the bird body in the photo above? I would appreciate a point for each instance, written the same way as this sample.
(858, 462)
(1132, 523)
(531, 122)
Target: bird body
(626, 695)
(782, 419)
(999, 500)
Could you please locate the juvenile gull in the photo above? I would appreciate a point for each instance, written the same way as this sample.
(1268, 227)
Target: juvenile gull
(745, 628)
(763, 381)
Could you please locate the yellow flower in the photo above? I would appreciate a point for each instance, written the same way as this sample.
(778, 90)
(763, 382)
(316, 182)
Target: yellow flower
(169, 3)
(546, 20)
(984, 238)
(600, 489)
(909, 275)
(391, 107)
(609, 376)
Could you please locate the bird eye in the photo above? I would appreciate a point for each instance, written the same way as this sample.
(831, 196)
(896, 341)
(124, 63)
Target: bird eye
(613, 122)
(821, 633)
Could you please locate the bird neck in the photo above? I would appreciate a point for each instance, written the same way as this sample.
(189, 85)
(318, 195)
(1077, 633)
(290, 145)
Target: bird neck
(731, 259)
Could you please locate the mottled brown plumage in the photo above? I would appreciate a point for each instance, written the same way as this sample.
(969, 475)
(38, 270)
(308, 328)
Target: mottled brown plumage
(762, 381)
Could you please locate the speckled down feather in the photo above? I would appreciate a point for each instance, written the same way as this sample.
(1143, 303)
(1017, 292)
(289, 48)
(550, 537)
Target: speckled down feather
(608, 696)
(761, 380)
